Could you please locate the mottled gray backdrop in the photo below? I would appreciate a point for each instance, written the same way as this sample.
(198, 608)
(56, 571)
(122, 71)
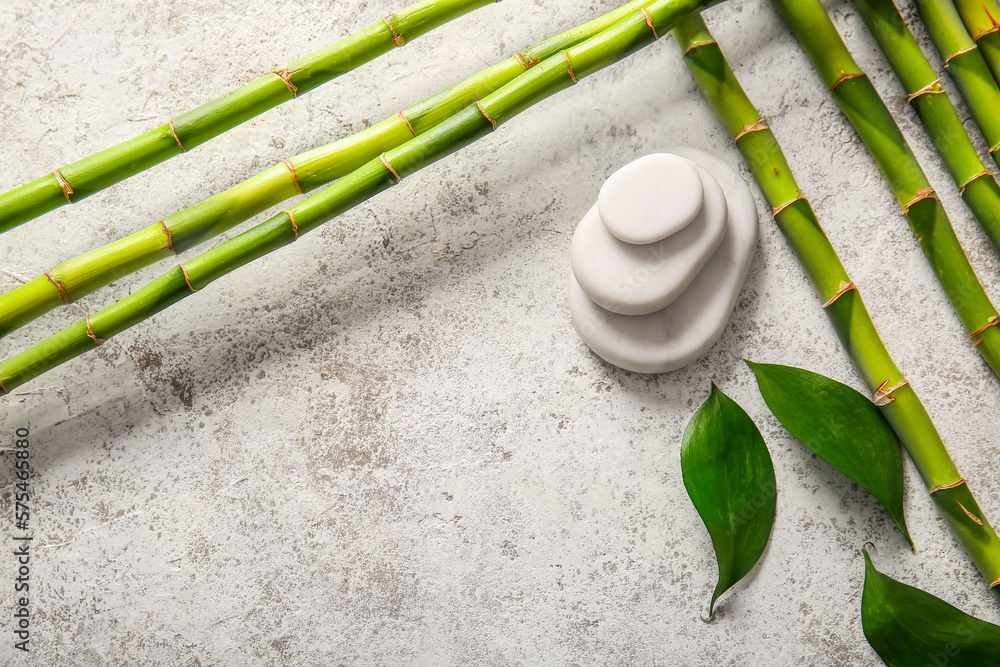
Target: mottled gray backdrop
(386, 444)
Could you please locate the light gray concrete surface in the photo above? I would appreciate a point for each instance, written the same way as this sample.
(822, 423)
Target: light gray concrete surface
(386, 444)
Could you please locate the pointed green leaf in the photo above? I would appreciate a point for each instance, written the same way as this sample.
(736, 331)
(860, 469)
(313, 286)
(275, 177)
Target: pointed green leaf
(908, 627)
(730, 478)
(842, 426)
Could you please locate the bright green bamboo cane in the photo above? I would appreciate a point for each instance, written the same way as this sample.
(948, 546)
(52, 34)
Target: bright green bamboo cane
(92, 174)
(982, 20)
(840, 297)
(966, 66)
(862, 105)
(77, 277)
(936, 112)
(636, 30)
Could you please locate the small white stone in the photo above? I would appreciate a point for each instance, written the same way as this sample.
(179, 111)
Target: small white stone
(650, 198)
(638, 279)
(686, 329)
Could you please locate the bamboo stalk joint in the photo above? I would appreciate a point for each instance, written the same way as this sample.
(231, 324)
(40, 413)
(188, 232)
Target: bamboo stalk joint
(187, 278)
(287, 79)
(649, 21)
(291, 219)
(61, 287)
(64, 185)
(397, 39)
(388, 166)
(778, 209)
(844, 76)
(947, 61)
(295, 176)
(170, 237)
(882, 395)
(932, 88)
(569, 67)
(845, 287)
(91, 335)
(173, 133)
(482, 110)
(759, 125)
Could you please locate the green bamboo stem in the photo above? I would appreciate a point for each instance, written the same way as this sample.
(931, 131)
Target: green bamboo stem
(841, 298)
(180, 134)
(936, 112)
(82, 275)
(559, 71)
(982, 20)
(966, 65)
(862, 105)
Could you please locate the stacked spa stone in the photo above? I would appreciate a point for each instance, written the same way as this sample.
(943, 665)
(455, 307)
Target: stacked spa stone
(659, 260)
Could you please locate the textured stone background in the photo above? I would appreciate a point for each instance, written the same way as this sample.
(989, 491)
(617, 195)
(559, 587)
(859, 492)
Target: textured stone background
(386, 444)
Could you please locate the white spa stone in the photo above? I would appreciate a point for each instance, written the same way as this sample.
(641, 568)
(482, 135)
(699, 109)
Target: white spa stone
(683, 331)
(635, 279)
(650, 198)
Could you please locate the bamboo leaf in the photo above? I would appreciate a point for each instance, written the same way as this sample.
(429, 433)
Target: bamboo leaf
(729, 476)
(840, 425)
(909, 627)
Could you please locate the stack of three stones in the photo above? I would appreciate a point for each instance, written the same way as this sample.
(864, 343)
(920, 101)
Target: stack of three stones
(659, 260)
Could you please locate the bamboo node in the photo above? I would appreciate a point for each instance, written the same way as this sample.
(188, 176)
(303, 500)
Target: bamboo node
(920, 195)
(845, 287)
(844, 76)
(291, 219)
(692, 47)
(187, 278)
(173, 133)
(995, 583)
(526, 61)
(569, 68)
(947, 486)
(295, 176)
(969, 514)
(982, 32)
(993, 321)
(482, 110)
(962, 187)
(397, 39)
(64, 294)
(758, 125)
(287, 80)
(996, 148)
(91, 336)
(170, 238)
(947, 61)
(778, 209)
(388, 166)
(649, 22)
(932, 88)
(882, 396)
(3, 387)
(66, 188)
(403, 118)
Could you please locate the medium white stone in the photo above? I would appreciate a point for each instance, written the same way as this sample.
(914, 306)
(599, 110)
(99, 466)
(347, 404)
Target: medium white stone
(683, 331)
(650, 198)
(635, 279)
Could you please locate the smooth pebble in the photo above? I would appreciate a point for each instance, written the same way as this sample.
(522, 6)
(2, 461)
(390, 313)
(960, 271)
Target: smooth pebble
(650, 198)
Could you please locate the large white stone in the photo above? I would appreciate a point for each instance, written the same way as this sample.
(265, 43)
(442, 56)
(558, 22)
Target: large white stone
(631, 201)
(635, 279)
(683, 331)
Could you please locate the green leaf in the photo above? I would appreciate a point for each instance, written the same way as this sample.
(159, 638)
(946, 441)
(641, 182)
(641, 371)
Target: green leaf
(730, 478)
(843, 426)
(908, 627)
